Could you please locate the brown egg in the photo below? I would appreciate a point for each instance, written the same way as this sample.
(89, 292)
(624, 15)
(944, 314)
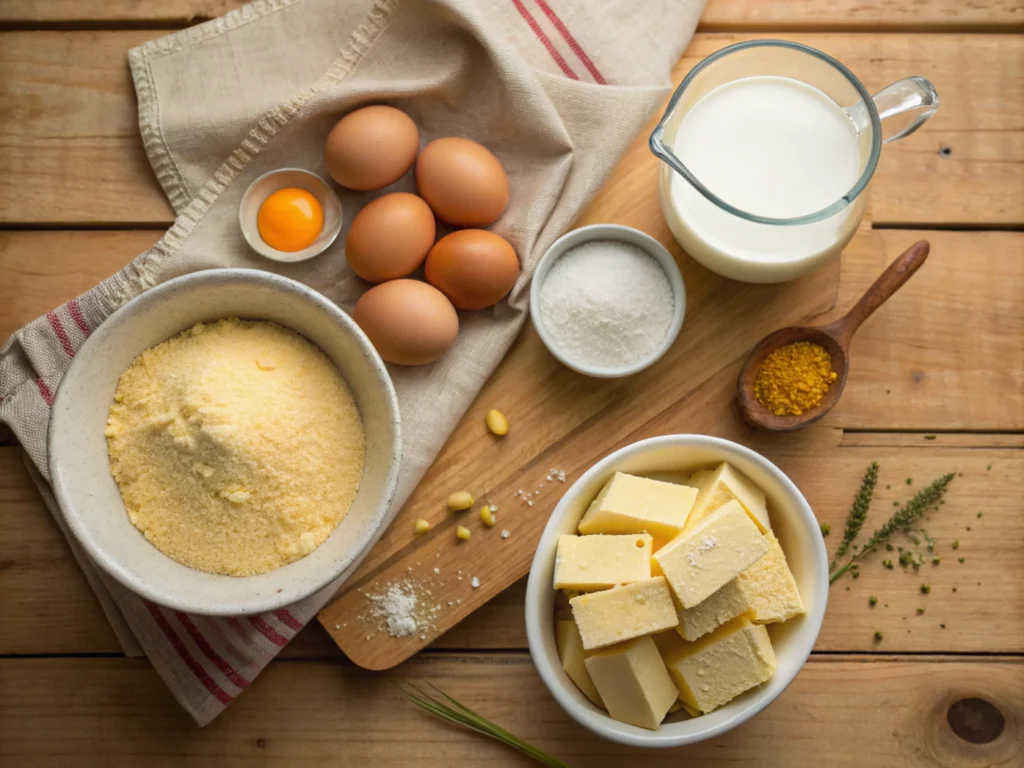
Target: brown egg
(371, 147)
(473, 267)
(390, 237)
(409, 322)
(462, 181)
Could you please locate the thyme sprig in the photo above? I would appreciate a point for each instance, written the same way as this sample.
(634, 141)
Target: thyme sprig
(858, 514)
(445, 707)
(902, 521)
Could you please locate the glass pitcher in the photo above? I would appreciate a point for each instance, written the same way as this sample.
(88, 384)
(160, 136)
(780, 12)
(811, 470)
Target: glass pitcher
(768, 148)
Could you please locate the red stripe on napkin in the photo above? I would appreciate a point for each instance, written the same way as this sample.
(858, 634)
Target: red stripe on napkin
(226, 669)
(44, 390)
(76, 314)
(576, 47)
(58, 331)
(267, 631)
(161, 621)
(544, 39)
(288, 620)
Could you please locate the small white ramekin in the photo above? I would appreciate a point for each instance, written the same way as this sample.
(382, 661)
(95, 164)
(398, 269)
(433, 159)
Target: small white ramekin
(623, 234)
(793, 523)
(266, 185)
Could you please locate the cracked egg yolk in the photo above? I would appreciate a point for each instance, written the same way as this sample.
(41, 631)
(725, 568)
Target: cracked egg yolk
(290, 219)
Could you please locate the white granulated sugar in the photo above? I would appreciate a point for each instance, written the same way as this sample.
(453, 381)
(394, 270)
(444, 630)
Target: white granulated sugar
(475, 582)
(505, 533)
(707, 544)
(606, 304)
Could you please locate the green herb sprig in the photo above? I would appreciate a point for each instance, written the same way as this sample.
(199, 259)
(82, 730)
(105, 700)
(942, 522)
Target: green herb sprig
(859, 513)
(449, 709)
(901, 521)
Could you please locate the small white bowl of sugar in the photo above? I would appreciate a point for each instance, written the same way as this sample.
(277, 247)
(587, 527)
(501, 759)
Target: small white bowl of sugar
(607, 300)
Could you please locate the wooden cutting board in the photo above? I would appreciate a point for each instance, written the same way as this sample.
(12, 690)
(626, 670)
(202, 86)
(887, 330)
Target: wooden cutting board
(562, 421)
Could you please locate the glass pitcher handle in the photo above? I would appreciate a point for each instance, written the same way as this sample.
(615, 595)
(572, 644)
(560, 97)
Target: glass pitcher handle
(903, 107)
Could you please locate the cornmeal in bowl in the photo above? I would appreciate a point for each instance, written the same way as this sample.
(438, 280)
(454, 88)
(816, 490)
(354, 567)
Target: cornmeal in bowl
(237, 446)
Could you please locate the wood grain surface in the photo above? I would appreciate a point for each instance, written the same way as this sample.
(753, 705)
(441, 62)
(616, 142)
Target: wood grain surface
(943, 359)
(72, 122)
(840, 711)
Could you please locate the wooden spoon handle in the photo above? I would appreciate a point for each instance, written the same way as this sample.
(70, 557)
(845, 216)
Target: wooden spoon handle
(880, 291)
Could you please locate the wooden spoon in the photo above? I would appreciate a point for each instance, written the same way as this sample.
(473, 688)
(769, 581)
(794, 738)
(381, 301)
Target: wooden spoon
(834, 337)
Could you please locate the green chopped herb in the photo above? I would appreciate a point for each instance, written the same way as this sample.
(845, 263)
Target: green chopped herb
(872, 601)
(856, 574)
(956, 543)
(887, 564)
(989, 468)
(954, 589)
(929, 437)
(942, 626)
(889, 547)
(926, 589)
(960, 559)
(979, 514)
(920, 611)
(902, 521)
(878, 637)
(909, 481)
(826, 529)
(936, 560)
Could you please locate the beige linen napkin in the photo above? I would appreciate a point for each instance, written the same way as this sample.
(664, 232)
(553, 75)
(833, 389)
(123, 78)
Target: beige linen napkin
(556, 88)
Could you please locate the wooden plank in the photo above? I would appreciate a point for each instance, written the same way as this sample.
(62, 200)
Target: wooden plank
(855, 711)
(916, 364)
(67, 120)
(872, 15)
(51, 611)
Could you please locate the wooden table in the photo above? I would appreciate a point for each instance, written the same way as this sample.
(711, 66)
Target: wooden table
(937, 385)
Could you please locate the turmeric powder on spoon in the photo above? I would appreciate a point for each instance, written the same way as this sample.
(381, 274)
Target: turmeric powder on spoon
(794, 378)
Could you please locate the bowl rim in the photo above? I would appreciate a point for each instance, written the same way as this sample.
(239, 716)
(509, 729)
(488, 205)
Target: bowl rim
(602, 724)
(629, 236)
(112, 565)
(324, 240)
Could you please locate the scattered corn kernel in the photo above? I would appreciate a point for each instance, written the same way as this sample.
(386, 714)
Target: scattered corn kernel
(487, 516)
(421, 526)
(460, 500)
(462, 533)
(497, 423)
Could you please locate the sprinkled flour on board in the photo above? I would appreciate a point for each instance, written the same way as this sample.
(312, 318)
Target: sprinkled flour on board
(403, 608)
(606, 303)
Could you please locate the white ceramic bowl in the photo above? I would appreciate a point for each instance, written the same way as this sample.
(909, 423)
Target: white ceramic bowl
(264, 186)
(80, 468)
(626, 235)
(671, 457)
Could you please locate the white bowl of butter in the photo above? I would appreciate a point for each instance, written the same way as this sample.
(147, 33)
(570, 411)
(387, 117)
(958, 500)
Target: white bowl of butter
(80, 467)
(673, 458)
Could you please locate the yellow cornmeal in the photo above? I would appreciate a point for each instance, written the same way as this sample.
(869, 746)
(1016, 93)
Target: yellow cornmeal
(237, 446)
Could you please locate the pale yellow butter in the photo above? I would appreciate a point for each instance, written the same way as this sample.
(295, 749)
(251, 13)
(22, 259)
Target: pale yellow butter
(725, 604)
(624, 612)
(570, 651)
(633, 682)
(724, 484)
(719, 667)
(704, 558)
(630, 504)
(586, 563)
(769, 588)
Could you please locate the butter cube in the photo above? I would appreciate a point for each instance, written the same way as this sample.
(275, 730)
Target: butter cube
(769, 587)
(719, 667)
(722, 606)
(633, 682)
(702, 559)
(630, 504)
(586, 563)
(723, 484)
(570, 651)
(624, 612)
